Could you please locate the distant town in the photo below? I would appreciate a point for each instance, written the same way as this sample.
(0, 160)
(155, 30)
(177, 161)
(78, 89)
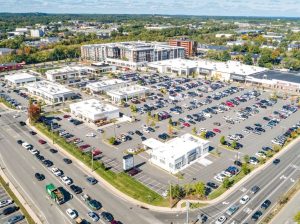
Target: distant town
(149, 119)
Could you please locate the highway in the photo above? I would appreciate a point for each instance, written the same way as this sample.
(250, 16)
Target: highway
(20, 166)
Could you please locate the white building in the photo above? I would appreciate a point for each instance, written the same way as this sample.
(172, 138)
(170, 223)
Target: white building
(226, 35)
(178, 153)
(93, 110)
(50, 92)
(36, 33)
(230, 70)
(19, 79)
(106, 85)
(128, 92)
(70, 74)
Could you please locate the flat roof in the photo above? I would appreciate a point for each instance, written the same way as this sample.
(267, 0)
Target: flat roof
(232, 67)
(92, 107)
(287, 76)
(178, 147)
(49, 87)
(67, 69)
(19, 76)
(105, 83)
(129, 90)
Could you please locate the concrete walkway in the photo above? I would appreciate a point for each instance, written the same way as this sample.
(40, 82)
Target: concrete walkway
(286, 215)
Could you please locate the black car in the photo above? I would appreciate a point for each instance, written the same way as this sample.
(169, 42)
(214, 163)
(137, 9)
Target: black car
(255, 189)
(212, 185)
(76, 189)
(107, 216)
(32, 132)
(47, 163)
(39, 176)
(53, 150)
(39, 157)
(266, 204)
(67, 161)
(238, 163)
(256, 215)
(276, 161)
(138, 133)
(202, 218)
(20, 142)
(10, 210)
(22, 123)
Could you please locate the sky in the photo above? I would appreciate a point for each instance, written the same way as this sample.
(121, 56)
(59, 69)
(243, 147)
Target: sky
(276, 8)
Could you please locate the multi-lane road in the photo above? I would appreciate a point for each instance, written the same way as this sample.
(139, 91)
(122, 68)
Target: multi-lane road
(20, 166)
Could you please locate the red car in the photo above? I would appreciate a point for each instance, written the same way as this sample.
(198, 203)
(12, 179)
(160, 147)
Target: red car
(96, 152)
(216, 130)
(66, 116)
(185, 124)
(134, 171)
(229, 104)
(41, 141)
(84, 146)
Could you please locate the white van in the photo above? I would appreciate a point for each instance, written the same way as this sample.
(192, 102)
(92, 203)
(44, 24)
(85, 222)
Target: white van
(27, 146)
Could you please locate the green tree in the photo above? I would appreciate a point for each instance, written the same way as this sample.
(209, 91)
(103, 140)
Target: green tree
(222, 140)
(297, 218)
(225, 56)
(112, 140)
(194, 130)
(234, 144)
(227, 183)
(200, 189)
(133, 108)
(245, 168)
(170, 121)
(177, 192)
(246, 158)
(248, 59)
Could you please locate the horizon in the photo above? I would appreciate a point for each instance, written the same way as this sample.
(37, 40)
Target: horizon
(231, 8)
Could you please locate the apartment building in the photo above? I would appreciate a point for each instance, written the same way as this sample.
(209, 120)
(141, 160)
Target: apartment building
(190, 46)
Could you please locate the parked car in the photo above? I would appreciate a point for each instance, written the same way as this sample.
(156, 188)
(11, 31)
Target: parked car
(6, 202)
(10, 210)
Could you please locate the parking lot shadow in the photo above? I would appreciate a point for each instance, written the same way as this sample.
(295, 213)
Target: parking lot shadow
(141, 164)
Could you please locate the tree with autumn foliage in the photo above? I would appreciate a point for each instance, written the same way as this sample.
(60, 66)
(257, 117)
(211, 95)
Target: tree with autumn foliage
(34, 111)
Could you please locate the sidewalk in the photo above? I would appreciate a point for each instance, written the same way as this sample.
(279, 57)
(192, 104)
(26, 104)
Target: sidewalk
(286, 215)
(178, 208)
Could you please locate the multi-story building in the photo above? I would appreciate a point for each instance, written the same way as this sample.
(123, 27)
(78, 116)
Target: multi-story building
(136, 52)
(190, 46)
(36, 33)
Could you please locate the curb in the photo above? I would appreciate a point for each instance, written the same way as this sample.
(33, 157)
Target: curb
(21, 199)
(178, 208)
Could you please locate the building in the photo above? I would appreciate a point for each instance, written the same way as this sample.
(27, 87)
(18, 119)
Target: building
(103, 67)
(71, 74)
(284, 81)
(36, 33)
(190, 46)
(105, 85)
(5, 51)
(11, 66)
(128, 92)
(134, 53)
(295, 45)
(230, 70)
(93, 110)
(178, 153)
(224, 35)
(51, 92)
(19, 79)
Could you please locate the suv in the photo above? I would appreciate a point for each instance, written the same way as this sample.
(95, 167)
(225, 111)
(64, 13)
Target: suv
(255, 189)
(266, 204)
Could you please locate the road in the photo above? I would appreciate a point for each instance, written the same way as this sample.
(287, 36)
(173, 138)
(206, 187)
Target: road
(20, 166)
(274, 181)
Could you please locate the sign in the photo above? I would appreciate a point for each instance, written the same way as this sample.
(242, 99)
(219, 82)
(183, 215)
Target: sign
(128, 162)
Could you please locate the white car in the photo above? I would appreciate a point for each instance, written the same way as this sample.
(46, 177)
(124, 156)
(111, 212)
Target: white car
(244, 199)
(207, 115)
(221, 220)
(219, 177)
(26, 145)
(90, 134)
(241, 118)
(71, 213)
(253, 162)
(57, 172)
(33, 151)
(226, 173)
(66, 180)
(202, 130)
(259, 154)
(246, 131)
(5, 203)
(16, 116)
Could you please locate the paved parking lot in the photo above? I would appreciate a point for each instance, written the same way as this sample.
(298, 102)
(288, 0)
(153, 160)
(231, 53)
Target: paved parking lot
(203, 170)
(5, 218)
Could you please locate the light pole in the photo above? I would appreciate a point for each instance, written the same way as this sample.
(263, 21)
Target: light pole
(187, 212)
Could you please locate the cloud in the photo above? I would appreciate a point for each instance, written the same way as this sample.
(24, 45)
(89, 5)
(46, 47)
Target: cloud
(186, 7)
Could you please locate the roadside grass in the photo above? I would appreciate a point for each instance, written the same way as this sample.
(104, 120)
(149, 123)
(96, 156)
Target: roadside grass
(194, 205)
(7, 103)
(121, 181)
(16, 200)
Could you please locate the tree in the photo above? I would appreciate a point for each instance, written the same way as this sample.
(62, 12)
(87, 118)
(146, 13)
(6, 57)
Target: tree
(194, 130)
(112, 140)
(234, 144)
(246, 158)
(245, 168)
(200, 189)
(133, 108)
(222, 140)
(34, 111)
(248, 59)
(225, 56)
(203, 134)
(297, 218)
(170, 121)
(177, 192)
(227, 183)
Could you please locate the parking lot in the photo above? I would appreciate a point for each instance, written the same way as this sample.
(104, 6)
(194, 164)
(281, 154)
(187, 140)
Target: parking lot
(216, 108)
(7, 205)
